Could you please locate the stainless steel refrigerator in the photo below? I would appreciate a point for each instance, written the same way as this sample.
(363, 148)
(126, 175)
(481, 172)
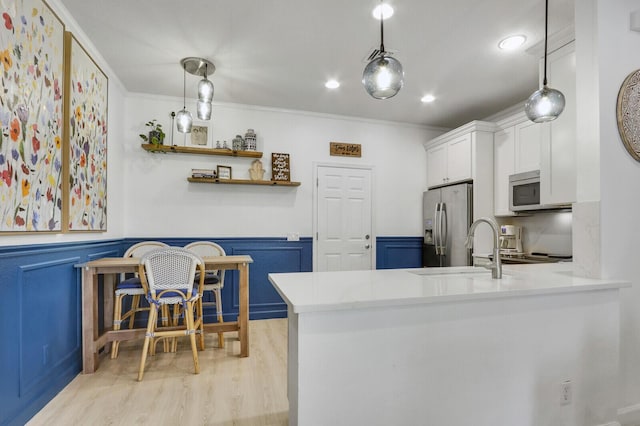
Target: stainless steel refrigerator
(447, 215)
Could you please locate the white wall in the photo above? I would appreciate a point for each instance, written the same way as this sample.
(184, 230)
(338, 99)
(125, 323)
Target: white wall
(614, 56)
(114, 151)
(159, 201)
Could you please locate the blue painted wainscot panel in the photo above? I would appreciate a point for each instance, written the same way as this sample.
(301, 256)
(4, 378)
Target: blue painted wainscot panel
(398, 252)
(40, 313)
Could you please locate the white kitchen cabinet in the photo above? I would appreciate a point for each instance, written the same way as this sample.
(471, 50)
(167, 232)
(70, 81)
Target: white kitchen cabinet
(528, 137)
(558, 139)
(504, 155)
(449, 162)
(437, 165)
(459, 159)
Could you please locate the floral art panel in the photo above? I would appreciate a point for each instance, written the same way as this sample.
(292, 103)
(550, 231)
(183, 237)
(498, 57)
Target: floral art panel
(31, 117)
(87, 91)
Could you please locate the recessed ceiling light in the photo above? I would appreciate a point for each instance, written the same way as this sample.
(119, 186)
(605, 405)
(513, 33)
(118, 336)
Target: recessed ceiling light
(332, 84)
(387, 11)
(512, 42)
(428, 98)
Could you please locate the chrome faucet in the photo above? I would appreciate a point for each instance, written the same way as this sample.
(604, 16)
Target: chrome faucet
(496, 264)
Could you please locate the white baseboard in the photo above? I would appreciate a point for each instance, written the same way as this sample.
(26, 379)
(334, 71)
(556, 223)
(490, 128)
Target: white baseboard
(629, 416)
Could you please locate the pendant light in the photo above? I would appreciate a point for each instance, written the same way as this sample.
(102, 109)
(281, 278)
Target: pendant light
(545, 104)
(183, 118)
(201, 67)
(383, 76)
(205, 87)
(203, 110)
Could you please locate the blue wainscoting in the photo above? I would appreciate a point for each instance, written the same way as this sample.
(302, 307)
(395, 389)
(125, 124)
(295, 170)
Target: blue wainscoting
(40, 310)
(398, 252)
(40, 313)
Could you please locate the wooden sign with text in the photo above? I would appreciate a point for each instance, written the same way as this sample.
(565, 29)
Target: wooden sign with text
(340, 149)
(280, 169)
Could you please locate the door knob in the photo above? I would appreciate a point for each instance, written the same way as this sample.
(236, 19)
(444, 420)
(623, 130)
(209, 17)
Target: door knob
(367, 246)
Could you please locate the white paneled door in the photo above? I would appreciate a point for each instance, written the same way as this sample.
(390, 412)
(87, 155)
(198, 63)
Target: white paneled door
(344, 235)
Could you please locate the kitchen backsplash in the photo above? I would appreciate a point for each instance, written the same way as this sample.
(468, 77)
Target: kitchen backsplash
(544, 232)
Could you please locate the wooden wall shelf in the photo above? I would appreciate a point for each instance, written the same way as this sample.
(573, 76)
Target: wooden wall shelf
(201, 151)
(243, 182)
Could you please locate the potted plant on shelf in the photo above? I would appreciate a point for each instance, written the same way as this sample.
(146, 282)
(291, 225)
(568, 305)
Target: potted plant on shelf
(156, 134)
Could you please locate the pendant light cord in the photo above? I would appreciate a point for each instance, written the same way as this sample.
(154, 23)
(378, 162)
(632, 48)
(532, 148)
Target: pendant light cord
(184, 87)
(381, 30)
(546, 29)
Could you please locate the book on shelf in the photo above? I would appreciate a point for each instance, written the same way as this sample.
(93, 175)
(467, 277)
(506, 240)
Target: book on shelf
(203, 173)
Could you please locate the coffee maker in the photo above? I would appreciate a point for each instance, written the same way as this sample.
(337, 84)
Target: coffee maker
(511, 240)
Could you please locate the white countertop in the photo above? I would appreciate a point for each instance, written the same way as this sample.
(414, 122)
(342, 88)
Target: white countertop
(330, 291)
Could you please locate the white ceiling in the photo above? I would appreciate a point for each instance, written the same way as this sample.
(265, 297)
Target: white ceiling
(279, 53)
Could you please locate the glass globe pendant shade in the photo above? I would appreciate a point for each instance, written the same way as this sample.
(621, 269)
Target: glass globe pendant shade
(545, 104)
(204, 110)
(383, 77)
(184, 121)
(205, 90)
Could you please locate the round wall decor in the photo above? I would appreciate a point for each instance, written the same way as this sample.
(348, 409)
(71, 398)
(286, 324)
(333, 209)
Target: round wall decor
(628, 113)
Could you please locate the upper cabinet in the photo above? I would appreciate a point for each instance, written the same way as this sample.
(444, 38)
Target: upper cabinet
(558, 147)
(527, 140)
(449, 162)
(504, 165)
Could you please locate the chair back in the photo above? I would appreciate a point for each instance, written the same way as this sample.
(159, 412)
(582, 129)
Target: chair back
(206, 249)
(170, 269)
(139, 249)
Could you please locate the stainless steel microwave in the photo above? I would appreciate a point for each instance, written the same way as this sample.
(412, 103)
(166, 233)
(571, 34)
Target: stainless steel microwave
(524, 191)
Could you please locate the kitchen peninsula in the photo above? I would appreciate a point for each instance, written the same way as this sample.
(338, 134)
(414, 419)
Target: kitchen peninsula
(452, 346)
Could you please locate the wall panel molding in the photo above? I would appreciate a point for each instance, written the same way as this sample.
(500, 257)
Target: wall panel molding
(38, 303)
(398, 252)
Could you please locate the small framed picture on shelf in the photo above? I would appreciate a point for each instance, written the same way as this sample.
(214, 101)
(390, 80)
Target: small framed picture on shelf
(224, 172)
(199, 136)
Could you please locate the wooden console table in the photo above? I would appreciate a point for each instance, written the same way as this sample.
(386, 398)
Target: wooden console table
(110, 267)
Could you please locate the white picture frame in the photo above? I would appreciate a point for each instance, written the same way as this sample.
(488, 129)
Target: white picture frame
(223, 172)
(200, 135)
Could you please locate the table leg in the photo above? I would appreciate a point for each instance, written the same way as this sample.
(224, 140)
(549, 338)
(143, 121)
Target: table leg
(89, 320)
(109, 285)
(243, 320)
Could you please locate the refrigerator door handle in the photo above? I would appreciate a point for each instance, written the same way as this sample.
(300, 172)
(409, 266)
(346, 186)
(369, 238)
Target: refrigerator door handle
(444, 226)
(437, 229)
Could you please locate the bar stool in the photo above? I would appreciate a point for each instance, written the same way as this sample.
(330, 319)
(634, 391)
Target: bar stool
(130, 287)
(214, 279)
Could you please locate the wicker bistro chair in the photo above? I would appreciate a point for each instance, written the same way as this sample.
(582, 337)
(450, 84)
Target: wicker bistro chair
(131, 287)
(168, 279)
(214, 279)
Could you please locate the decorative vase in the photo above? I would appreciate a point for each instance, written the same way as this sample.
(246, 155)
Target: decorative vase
(250, 140)
(238, 143)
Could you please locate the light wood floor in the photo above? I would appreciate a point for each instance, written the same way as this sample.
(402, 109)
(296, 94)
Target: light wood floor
(228, 391)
